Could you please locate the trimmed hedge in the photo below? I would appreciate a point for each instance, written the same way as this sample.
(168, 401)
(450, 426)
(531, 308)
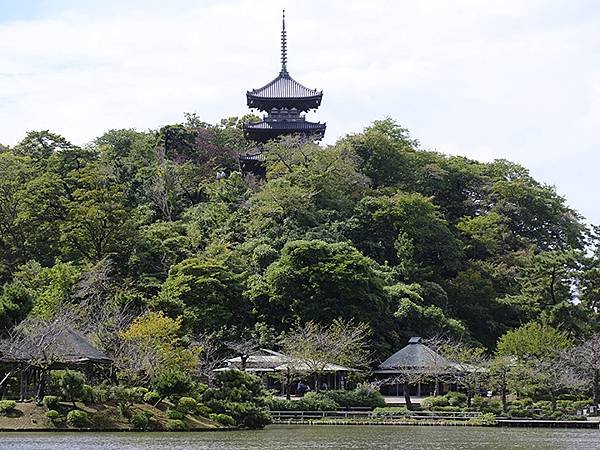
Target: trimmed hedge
(223, 419)
(187, 405)
(151, 397)
(78, 419)
(365, 397)
(176, 425)
(53, 415)
(140, 421)
(50, 401)
(7, 406)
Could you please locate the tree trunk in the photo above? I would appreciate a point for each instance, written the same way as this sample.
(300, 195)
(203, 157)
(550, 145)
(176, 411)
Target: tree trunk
(469, 397)
(317, 379)
(244, 360)
(596, 387)
(504, 400)
(23, 386)
(41, 390)
(406, 389)
(2, 383)
(288, 384)
(553, 401)
(436, 388)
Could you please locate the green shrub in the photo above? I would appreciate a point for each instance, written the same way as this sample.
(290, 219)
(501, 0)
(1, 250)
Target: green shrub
(223, 419)
(151, 397)
(176, 425)
(580, 404)
(248, 415)
(7, 406)
(88, 394)
(203, 410)
(172, 383)
(199, 388)
(101, 393)
(431, 402)
(519, 412)
(448, 408)
(71, 385)
(78, 419)
(124, 410)
(363, 396)
(138, 394)
(487, 419)
(316, 402)
(122, 395)
(523, 403)
(140, 421)
(456, 398)
(487, 405)
(175, 415)
(390, 411)
(240, 395)
(187, 405)
(53, 415)
(542, 404)
(282, 404)
(570, 397)
(50, 401)
(55, 376)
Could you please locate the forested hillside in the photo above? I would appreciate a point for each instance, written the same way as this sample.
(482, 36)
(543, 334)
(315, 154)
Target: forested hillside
(373, 228)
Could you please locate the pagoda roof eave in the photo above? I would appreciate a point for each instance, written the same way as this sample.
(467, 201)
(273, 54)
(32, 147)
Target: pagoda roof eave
(266, 104)
(251, 94)
(284, 86)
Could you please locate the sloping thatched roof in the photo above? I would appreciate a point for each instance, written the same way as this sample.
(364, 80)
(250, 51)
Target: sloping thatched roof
(263, 360)
(62, 348)
(271, 361)
(71, 347)
(415, 356)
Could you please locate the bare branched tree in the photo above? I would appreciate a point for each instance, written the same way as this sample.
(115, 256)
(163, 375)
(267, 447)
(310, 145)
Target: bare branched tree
(312, 347)
(244, 348)
(468, 366)
(437, 365)
(501, 370)
(210, 356)
(555, 375)
(97, 315)
(585, 360)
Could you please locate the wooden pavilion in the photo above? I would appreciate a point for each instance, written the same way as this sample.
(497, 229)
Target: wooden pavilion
(30, 358)
(416, 358)
(278, 370)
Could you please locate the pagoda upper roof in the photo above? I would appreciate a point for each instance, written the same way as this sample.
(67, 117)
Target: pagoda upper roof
(284, 92)
(284, 86)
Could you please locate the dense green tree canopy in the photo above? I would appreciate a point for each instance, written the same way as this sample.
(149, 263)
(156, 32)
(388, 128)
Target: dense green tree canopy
(373, 229)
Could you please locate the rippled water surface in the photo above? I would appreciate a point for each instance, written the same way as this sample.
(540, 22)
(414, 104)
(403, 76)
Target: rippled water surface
(315, 437)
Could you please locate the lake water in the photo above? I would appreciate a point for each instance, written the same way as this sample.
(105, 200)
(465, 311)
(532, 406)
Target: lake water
(316, 437)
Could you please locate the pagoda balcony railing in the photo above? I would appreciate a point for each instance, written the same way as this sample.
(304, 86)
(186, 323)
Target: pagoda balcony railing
(284, 117)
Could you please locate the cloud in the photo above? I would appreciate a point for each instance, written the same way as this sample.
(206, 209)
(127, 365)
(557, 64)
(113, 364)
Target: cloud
(495, 79)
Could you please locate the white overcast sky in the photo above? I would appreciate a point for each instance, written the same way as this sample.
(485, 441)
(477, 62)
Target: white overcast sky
(482, 78)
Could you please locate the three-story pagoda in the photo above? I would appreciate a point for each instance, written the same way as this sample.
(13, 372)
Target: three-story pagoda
(284, 100)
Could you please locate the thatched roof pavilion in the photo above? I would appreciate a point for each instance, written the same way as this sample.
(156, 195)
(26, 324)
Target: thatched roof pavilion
(415, 356)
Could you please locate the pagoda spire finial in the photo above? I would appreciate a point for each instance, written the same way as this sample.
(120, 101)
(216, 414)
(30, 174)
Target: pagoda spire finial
(283, 47)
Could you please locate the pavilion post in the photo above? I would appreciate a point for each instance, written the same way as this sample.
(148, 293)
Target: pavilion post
(23, 385)
(288, 383)
(41, 390)
(407, 396)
